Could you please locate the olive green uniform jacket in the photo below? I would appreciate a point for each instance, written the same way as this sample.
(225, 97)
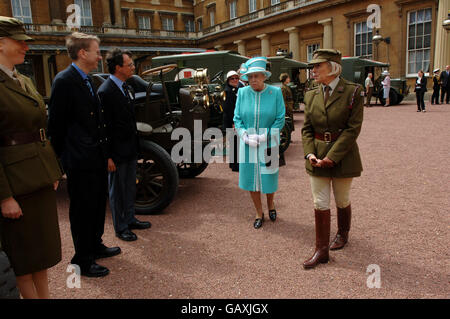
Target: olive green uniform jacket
(288, 99)
(24, 168)
(339, 115)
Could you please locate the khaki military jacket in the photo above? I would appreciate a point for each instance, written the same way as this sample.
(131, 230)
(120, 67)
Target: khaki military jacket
(339, 115)
(288, 99)
(24, 168)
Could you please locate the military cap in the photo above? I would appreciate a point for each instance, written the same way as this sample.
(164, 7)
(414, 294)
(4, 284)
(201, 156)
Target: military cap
(13, 28)
(326, 55)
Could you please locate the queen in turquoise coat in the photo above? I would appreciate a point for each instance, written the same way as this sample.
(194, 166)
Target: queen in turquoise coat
(258, 119)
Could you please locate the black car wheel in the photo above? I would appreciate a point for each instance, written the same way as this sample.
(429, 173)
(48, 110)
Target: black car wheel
(285, 138)
(191, 170)
(392, 97)
(8, 288)
(156, 178)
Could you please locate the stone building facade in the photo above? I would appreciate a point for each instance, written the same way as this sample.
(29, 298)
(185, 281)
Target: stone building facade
(412, 34)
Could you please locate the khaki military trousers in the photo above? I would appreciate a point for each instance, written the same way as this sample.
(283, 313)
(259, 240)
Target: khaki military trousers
(321, 191)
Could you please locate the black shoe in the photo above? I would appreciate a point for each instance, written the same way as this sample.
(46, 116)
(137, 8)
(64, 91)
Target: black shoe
(139, 225)
(127, 235)
(273, 214)
(105, 252)
(258, 222)
(94, 270)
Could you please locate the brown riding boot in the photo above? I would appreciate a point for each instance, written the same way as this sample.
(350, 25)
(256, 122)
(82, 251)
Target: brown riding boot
(344, 216)
(322, 239)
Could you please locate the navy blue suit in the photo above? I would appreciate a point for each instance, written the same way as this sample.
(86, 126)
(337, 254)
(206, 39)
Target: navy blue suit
(77, 132)
(122, 149)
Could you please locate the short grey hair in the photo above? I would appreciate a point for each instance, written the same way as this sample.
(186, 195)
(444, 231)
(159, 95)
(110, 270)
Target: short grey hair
(336, 68)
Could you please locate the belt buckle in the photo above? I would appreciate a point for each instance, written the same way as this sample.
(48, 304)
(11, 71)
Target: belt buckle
(327, 137)
(42, 135)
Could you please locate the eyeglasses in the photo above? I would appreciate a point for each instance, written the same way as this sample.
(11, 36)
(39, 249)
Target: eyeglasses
(130, 65)
(234, 78)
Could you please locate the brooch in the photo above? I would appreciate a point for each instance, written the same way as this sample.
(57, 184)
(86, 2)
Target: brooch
(340, 89)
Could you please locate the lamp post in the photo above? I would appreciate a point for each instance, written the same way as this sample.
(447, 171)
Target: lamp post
(377, 38)
(446, 23)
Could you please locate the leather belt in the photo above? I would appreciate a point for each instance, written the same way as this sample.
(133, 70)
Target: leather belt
(23, 138)
(327, 136)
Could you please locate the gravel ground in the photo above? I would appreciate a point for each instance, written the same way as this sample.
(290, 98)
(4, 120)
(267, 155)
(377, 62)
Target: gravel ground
(204, 244)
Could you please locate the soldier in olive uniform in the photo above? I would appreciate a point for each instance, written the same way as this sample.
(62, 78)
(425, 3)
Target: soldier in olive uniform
(333, 119)
(29, 170)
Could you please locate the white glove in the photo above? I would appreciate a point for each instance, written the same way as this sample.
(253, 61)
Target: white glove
(262, 138)
(251, 140)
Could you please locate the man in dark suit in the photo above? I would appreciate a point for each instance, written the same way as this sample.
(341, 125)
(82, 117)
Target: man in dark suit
(117, 101)
(445, 84)
(77, 132)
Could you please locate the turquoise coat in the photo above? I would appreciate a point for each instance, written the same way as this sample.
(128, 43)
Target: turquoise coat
(258, 113)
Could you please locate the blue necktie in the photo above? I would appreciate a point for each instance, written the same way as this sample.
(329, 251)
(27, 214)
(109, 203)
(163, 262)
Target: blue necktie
(89, 85)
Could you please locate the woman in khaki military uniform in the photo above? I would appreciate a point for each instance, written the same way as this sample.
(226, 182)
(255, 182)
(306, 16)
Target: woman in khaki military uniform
(29, 171)
(333, 119)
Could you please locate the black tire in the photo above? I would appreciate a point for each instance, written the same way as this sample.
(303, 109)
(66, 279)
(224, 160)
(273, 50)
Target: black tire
(285, 138)
(191, 170)
(157, 178)
(8, 286)
(392, 97)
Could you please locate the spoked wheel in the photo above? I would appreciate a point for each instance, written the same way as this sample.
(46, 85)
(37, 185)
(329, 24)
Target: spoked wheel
(156, 179)
(191, 170)
(285, 138)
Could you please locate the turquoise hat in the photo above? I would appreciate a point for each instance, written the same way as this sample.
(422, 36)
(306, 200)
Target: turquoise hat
(254, 65)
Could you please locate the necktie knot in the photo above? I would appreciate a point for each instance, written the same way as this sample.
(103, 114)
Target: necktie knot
(18, 79)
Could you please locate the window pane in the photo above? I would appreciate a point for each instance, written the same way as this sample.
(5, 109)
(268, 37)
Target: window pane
(369, 49)
(358, 50)
(364, 38)
(412, 17)
(412, 30)
(419, 42)
(419, 56)
(419, 29)
(411, 43)
(358, 27)
(420, 16)
(427, 14)
(412, 57)
(427, 28)
(364, 27)
(426, 54)
(427, 41)
(358, 39)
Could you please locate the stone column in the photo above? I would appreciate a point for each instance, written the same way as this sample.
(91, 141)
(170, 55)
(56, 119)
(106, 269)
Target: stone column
(442, 47)
(47, 82)
(55, 11)
(294, 45)
(265, 44)
(132, 19)
(327, 33)
(241, 47)
(106, 13)
(117, 13)
(179, 23)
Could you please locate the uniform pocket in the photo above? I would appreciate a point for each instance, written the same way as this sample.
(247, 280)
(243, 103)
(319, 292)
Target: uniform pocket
(24, 169)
